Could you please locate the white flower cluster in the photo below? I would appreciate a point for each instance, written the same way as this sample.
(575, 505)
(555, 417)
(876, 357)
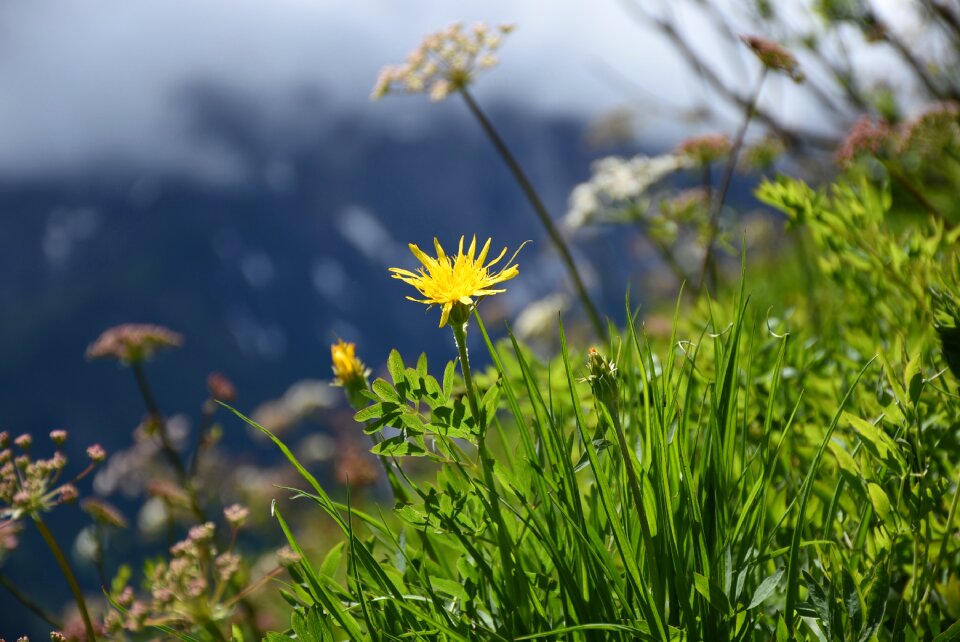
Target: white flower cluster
(616, 183)
(444, 62)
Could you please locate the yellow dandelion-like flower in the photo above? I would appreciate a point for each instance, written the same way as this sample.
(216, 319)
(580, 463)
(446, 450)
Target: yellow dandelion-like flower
(348, 370)
(453, 281)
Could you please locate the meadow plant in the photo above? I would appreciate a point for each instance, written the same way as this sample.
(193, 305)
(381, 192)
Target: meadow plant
(785, 470)
(459, 55)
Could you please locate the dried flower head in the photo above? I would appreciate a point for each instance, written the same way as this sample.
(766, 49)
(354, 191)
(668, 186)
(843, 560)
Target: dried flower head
(236, 515)
(706, 149)
(29, 486)
(867, 136)
(58, 437)
(763, 154)
(445, 61)
(353, 468)
(9, 530)
(96, 453)
(103, 513)
(453, 281)
(133, 342)
(348, 370)
(933, 132)
(221, 388)
(774, 56)
(286, 556)
(686, 205)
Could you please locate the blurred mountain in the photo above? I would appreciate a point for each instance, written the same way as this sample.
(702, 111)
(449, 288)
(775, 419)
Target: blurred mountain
(260, 272)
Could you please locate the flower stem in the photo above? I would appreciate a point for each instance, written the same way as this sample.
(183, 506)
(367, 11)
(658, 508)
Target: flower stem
(486, 464)
(540, 210)
(68, 574)
(635, 491)
(914, 191)
(708, 259)
(168, 450)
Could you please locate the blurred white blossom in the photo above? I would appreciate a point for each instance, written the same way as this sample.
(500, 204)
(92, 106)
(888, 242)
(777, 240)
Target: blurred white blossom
(616, 183)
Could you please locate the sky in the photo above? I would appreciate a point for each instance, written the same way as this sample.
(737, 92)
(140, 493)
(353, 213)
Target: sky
(111, 80)
(87, 83)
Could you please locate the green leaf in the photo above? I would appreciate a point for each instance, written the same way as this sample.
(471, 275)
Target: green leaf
(766, 588)
(877, 442)
(876, 601)
(821, 604)
(879, 499)
(399, 447)
(395, 367)
(385, 391)
(411, 422)
(952, 634)
(448, 373)
(331, 562)
(373, 411)
(913, 379)
(488, 405)
(710, 590)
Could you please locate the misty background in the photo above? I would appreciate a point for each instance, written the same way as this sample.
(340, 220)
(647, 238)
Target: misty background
(218, 168)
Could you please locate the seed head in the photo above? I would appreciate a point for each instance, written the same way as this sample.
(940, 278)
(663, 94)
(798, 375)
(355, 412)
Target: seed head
(774, 56)
(133, 342)
(221, 388)
(445, 61)
(703, 150)
(867, 136)
(96, 453)
(236, 515)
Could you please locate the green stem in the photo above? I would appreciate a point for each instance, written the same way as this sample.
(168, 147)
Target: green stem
(486, 464)
(637, 494)
(541, 212)
(708, 261)
(948, 526)
(914, 191)
(68, 574)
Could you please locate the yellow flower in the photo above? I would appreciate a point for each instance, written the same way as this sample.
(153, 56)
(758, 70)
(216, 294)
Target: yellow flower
(453, 281)
(348, 370)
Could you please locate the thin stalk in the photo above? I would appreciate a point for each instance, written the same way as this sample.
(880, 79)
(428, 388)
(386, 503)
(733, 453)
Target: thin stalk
(725, 182)
(540, 210)
(914, 191)
(486, 461)
(28, 603)
(948, 526)
(203, 437)
(68, 574)
(173, 457)
(637, 494)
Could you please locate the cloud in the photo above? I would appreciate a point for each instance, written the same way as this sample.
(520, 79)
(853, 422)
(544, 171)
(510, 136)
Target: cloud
(114, 83)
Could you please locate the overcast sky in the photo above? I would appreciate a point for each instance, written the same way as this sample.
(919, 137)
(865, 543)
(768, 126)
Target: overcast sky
(82, 81)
